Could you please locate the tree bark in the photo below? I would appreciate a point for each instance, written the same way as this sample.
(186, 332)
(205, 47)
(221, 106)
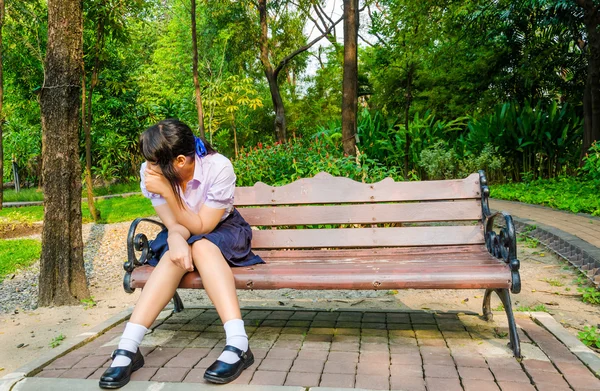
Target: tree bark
(591, 97)
(195, 71)
(280, 123)
(1, 105)
(62, 276)
(350, 78)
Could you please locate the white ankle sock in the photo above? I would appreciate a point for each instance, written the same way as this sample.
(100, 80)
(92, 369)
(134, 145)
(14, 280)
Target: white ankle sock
(130, 340)
(236, 336)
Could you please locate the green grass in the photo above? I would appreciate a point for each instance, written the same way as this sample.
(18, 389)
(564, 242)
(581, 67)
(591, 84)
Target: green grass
(36, 194)
(566, 193)
(112, 210)
(17, 254)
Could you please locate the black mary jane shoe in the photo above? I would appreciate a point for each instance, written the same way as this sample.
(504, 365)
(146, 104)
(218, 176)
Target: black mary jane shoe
(117, 377)
(221, 372)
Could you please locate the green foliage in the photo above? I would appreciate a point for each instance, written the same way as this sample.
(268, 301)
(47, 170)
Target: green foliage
(442, 162)
(565, 193)
(590, 336)
(119, 209)
(591, 166)
(56, 341)
(17, 254)
(542, 139)
(537, 308)
(589, 295)
(279, 164)
(88, 303)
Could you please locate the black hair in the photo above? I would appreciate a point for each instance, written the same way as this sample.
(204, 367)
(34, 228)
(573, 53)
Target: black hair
(161, 144)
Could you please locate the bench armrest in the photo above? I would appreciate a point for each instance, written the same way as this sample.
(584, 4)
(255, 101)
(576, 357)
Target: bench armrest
(136, 242)
(502, 245)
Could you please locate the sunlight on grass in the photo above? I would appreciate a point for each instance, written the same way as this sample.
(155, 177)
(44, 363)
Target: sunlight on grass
(17, 254)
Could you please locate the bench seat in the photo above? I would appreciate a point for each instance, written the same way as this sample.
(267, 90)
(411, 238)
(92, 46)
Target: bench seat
(451, 267)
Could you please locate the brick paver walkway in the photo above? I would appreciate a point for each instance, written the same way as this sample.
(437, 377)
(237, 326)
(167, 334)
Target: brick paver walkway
(583, 227)
(369, 350)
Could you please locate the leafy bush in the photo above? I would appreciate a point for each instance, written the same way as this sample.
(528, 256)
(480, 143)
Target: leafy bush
(591, 166)
(279, 164)
(442, 162)
(590, 336)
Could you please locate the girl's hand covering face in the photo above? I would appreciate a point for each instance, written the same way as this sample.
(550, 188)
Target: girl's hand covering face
(155, 181)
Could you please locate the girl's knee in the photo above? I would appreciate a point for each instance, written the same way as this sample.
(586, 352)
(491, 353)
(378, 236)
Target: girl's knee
(203, 249)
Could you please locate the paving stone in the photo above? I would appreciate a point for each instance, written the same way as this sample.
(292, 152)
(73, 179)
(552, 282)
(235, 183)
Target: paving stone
(160, 356)
(303, 365)
(143, 374)
(303, 379)
(77, 373)
(347, 331)
(272, 364)
(373, 368)
(268, 378)
(335, 356)
(313, 345)
(503, 362)
(373, 326)
(321, 330)
(475, 373)
(480, 385)
(407, 383)
(340, 367)
(67, 361)
(440, 371)
(374, 347)
(538, 365)
(509, 375)
(366, 332)
(573, 369)
(472, 361)
(282, 353)
(245, 377)
(406, 359)
(51, 373)
(97, 374)
(344, 346)
(406, 370)
(373, 339)
(586, 380)
(187, 358)
(444, 384)
(170, 374)
(287, 344)
(372, 382)
(433, 342)
(337, 380)
(92, 362)
(547, 378)
(319, 355)
(195, 376)
(432, 359)
(514, 386)
(374, 357)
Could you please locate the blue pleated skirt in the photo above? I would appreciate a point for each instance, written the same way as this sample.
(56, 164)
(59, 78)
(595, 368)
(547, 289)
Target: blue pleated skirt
(233, 236)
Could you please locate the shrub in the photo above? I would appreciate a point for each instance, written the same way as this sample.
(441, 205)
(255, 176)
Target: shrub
(591, 166)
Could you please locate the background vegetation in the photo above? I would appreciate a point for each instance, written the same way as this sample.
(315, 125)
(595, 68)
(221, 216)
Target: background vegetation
(446, 88)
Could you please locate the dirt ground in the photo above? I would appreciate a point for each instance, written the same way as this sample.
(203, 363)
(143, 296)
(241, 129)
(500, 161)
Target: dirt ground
(27, 334)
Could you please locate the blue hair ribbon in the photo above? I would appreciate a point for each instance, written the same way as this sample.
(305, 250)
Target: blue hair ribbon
(200, 148)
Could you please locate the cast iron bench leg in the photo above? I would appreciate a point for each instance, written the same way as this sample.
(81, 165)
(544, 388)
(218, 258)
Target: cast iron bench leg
(177, 303)
(504, 295)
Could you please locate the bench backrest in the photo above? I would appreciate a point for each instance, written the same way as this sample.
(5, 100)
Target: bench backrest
(302, 214)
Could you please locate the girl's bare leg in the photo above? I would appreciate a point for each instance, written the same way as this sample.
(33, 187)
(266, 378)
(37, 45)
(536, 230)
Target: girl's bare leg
(158, 291)
(217, 279)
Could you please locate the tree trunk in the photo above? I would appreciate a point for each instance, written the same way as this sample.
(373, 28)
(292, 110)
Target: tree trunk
(408, 97)
(87, 117)
(350, 81)
(195, 71)
(62, 276)
(591, 97)
(271, 74)
(1, 105)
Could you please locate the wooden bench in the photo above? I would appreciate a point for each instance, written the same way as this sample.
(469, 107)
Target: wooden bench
(334, 233)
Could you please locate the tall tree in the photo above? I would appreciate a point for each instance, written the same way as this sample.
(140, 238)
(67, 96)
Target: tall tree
(198, 94)
(591, 96)
(350, 81)
(1, 103)
(324, 24)
(62, 278)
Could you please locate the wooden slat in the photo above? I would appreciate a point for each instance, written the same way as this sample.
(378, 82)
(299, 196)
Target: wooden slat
(437, 252)
(364, 213)
(354, 276)
(326, 189)
(367, 237)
